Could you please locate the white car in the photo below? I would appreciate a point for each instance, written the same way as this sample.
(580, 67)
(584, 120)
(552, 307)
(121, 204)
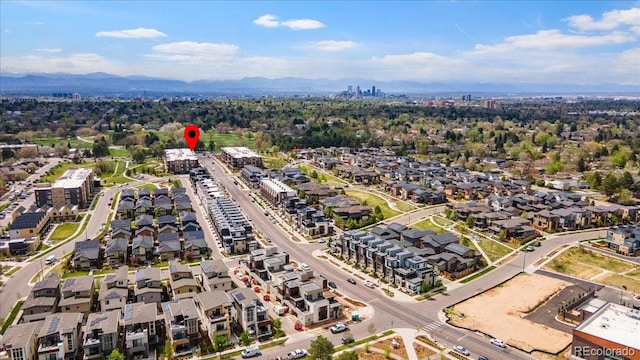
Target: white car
(461, 350)
(250, 352)
(498, 342)
(305, 267)
(368, 284)
(339, 327)
(297, 354)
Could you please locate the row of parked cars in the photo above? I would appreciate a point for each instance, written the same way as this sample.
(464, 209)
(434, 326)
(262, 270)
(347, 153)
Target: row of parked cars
(254, 351)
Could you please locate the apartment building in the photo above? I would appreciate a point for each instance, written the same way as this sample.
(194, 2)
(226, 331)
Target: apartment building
(42, 300)
(249, 313)
(252, 175)
(624, 240)
(101, 335)
(182, 324)
(21, 340)
(59, 336)
(275, 191)
(141, 328)
(74, 187)
(238, 157)
(232, 228)
(214, 308)
(77, 295)
(180, 161)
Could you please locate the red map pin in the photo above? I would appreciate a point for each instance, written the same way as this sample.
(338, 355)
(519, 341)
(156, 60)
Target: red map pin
(191, 136)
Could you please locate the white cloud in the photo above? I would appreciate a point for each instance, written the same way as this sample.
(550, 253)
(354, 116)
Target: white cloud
(331, 45)
(72, 64)
(50, 50)
(139, 33)
(268, 20)
(271, 21)
(610, 21)
(555, 40)
(197, 48)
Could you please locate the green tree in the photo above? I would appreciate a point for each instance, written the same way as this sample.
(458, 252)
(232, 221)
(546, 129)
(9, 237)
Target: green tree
(245, 338)
(321, 349)
(626, 181)
(115, 355)
(276, 324)
(100, 148)
(347, 355)
(469, 221)
(377, 210)
(220, 343)
(610, 184)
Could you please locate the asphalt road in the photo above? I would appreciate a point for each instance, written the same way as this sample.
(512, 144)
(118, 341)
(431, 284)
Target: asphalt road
(388, 313)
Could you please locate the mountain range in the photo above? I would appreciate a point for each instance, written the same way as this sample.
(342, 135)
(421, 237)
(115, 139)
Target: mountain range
(39, 84)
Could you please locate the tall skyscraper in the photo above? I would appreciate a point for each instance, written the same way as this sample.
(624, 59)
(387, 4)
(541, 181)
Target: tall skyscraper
(373, 90)
(358, 93)
(350, 89)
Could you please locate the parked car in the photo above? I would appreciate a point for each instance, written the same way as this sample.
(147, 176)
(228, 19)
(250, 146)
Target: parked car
(347, 339)
(297, 354)
(498, 342)
(321, 241)
(482, 357)
(339, 327)
(304, 266)
(529, 248)
(250, 352)
(332, 285)
(368, 284)
(461, 350)
(351, 280)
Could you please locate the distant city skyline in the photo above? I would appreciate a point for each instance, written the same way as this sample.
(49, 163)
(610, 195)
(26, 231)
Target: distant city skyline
(571, 42)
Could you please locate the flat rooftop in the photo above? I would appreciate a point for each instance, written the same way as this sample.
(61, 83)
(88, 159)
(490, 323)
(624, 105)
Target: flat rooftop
(72, 178)
(615, 323)
(179, 154)
(239, 152)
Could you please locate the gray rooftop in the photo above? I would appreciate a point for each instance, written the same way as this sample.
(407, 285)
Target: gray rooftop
(140, 313)
(62, 323)
(19, 335)
(106, 321)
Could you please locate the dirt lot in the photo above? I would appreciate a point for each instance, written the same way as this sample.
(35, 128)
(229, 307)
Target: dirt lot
(500, 312)
(422, 352)
(386, 344)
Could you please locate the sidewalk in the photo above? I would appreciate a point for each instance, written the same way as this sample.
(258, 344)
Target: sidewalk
(397, 294)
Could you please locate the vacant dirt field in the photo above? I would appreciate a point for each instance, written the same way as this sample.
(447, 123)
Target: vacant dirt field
(422, 352)
(499, 313)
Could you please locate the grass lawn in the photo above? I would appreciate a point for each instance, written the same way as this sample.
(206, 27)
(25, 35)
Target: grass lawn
(566, 266)
(373, 201)
(119, 152)
(618, 281)
(63, 231)
(12, 271)
(75, 143)
(274, 162)
(442, 221)
(53, 174)
(403, 206)
(634, 274)
(150, 187)
(585, 264)
(478, 274)
(74, 273)
(94, 203)
(117, 176)
(426, 224)
(4, 206)
(493, 249)
(595, 259)
(12, 316)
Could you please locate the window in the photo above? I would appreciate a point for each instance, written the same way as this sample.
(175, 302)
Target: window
(70, 345)
(137, 343)
(106, 302)
(17, 354)
(152, 328)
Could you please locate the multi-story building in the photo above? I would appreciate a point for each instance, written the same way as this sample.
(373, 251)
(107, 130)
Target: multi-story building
(238, 157)
(249, 313)
(610, 333)
(232, 228)
(624, 240)
(214, 275)
(59, 336)
(148, 288)
(214, 308)
(21, 340)
(275, 191)
(29, 224)
(42, 300)
(77, 295)
(114, 290)
(181, 280)
(73, 187)
(182, 324)
(180, 161)
(252, 175)
(101, 335)
(141, 330)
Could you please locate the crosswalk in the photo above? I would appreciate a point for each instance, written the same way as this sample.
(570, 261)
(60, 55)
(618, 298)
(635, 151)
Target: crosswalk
(432, 326)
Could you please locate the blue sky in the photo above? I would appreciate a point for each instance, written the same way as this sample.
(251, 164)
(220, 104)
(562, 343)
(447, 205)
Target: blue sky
(581, 42)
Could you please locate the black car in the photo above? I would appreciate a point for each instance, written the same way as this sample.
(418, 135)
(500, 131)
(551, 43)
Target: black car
(351, 280)
(332, 285)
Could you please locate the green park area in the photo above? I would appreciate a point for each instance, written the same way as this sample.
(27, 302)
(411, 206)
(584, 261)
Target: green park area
(373, 201)
(63, 231)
